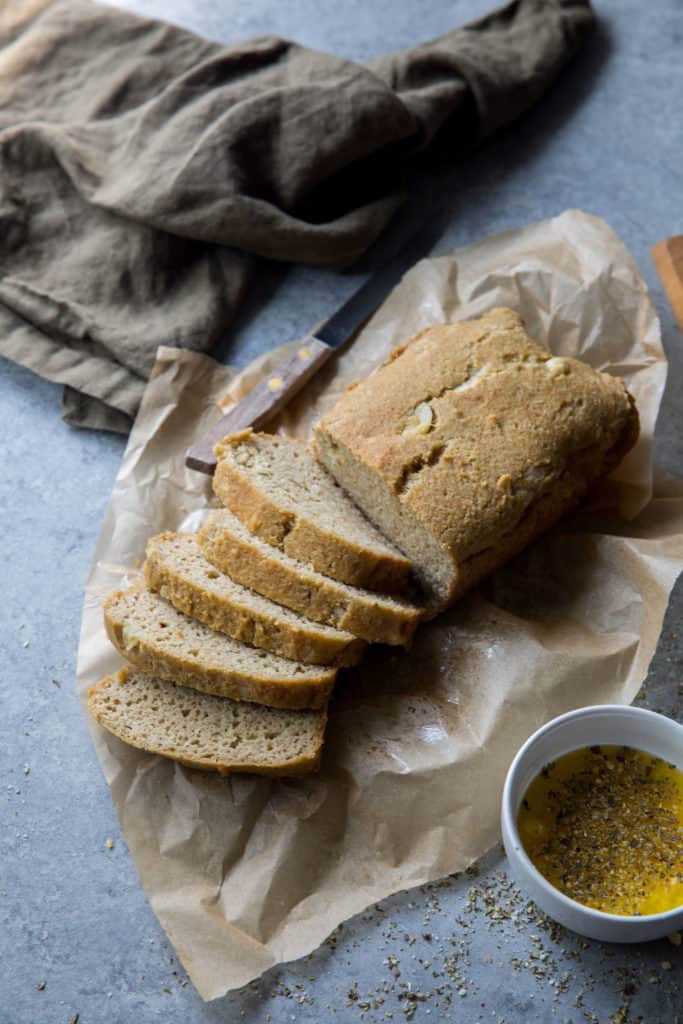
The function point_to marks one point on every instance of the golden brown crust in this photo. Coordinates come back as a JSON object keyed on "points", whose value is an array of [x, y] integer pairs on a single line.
{"points": [[472, 428], [295, 586], [289, 640], [298, 534], [262, 517], [290, 693], [302, 765], [539, 516]]}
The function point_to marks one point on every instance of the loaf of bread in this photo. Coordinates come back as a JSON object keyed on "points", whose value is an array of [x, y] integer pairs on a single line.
{"points": [[203, 731], [281, 493], [470, 441]]}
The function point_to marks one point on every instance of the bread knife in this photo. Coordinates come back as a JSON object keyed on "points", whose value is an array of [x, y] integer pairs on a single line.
{"points": [[271, 395]]}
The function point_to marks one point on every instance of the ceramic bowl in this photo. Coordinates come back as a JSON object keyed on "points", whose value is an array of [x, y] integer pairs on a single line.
{"points": [[602, 724]]}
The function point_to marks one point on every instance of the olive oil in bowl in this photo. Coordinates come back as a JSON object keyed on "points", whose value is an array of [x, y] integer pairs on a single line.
{"points": [[604, 825]]}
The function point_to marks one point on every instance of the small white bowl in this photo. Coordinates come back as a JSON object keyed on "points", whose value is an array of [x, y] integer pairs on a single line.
{"points": [[605, 725]]}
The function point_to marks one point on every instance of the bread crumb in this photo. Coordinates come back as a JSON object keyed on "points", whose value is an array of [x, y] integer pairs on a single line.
{"points": [[109, 843]]}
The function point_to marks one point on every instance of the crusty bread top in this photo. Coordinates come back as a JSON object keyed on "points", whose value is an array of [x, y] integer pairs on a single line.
{"points": [[471, 421], [203, 731]]}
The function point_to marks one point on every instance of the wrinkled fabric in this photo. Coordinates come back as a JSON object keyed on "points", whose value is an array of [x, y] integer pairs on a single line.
{"points": [[143, 170]]}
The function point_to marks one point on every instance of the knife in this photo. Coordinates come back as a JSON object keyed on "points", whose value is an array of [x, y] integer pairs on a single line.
{"points": [[271, 395]]}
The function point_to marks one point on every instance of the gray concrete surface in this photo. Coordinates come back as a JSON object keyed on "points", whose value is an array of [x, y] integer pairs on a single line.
{"points": [[77, 937]]}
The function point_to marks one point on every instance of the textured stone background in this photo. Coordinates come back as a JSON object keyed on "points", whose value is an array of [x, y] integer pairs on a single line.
{"points": [[76, 934]]}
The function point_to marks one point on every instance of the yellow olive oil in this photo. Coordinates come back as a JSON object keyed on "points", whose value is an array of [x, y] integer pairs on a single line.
{"points": [[604, 825]]}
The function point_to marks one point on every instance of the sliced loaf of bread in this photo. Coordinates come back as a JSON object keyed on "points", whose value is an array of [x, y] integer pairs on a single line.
{"points": [[207, 732], [470, 441], [154, 636], [229, 545], [177, 569], [279, 491]]}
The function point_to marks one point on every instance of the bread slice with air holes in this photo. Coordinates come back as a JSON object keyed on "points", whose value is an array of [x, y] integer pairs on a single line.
{"points": [[151, 634], [207, 732], [280, 492], [177, 569], [379, 618]]}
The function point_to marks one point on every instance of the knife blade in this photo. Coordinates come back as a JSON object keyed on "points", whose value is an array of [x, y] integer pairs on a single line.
{"points": [[272, 394]]}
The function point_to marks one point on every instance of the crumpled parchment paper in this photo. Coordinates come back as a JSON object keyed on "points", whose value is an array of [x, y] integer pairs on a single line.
{"points": [[247, 872]]}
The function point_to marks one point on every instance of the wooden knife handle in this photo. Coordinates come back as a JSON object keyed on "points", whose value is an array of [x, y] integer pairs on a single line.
{"points": [[264, 400]]}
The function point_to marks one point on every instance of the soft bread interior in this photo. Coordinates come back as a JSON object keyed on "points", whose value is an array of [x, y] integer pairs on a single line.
{"points": [[433, 564]]}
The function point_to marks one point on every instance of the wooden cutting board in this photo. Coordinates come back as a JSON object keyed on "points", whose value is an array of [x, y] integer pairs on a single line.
{"points": [[668, 261]]}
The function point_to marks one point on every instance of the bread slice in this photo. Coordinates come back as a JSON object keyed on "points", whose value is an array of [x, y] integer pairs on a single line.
{"points": [[283, 495], [470, 441], [151, 634], [178, 570], [202, 731], [253, 563]]}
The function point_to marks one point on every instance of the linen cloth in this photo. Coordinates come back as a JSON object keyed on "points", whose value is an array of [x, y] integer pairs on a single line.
{"points": [[143, 170]]}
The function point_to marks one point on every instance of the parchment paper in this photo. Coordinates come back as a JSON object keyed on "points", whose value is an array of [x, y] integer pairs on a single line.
{"points": [[244, 872]]}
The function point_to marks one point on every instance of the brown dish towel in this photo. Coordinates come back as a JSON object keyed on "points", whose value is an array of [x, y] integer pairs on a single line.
{"points": [[142, 169]]}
